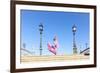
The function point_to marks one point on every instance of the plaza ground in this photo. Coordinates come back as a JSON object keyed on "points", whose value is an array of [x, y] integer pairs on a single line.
{"points": [[27, 58]]}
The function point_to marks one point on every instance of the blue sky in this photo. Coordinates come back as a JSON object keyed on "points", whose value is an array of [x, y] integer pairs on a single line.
{"points": [[55, 23]]}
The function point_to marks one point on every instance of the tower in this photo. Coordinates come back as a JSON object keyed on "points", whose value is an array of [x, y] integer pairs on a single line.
{"points": [[74, 41], [41, 32]]}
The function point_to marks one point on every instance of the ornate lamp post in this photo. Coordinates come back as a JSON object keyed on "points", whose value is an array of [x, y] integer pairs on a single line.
{"points": [[41, 30], [74, 42]]}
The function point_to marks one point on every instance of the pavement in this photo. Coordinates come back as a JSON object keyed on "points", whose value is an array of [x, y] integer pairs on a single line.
{"points": [[27, 58]]}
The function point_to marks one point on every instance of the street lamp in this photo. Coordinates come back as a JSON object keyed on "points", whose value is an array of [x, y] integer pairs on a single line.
{"points": [[74, 42], [41, 30]]}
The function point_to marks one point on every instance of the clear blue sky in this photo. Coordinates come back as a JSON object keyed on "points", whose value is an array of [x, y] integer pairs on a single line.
{"points": [[55, 23]]}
